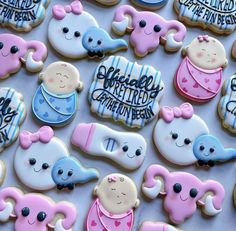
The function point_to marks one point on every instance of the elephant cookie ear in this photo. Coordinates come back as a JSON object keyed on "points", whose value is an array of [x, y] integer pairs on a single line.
{"points": [[32, 65], [171, 44]]}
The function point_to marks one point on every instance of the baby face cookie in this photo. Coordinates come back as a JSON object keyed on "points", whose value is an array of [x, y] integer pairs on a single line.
{"points": [[114, 207], [34, 211], [126, 91], [227, 104], [175, 133], [150, 4], [2, 171], [199, 76], [218, 16], [182, 193], [157, 226], [125, 148], [55, 101], [67, 28], [36, 156], [147, 30], [12, 114], [68, 171], [22, 15], [15, 51]]}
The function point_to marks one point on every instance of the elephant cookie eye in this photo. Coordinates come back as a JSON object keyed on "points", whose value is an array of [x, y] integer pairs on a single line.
{"points": [[90, 40], [193, 192], [25, 212], [41, 216], [138, 152], [142, 23], [77, 34], [157, 28], [212, 150], [177, 188], [187, 141], [174, 136], [70, 173], [125, 148], [60, 171], [202, 148], [14, 49], [65, 30], [99, 42], [1, 45], [45, 166], [32, 161]]}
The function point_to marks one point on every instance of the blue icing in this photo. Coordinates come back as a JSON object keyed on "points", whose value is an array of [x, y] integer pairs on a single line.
{"points": [[53, 109], [208, 150], [68, 171], [98, 42], [151, 3]]}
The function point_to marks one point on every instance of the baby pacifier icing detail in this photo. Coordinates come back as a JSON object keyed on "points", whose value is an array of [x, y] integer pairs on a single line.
{"points": [[182, 193], [126, 91], [34, 211], [127, 149], [15, 51], [55, 101], [148, 30], [199, 76], [116, 211]]}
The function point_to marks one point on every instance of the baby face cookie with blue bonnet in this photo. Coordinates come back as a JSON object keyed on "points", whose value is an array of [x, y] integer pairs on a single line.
{"points": [[55, 101]]}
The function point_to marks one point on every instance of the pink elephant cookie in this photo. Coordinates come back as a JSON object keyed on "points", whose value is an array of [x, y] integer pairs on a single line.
{"points": [[148, 30], [15, 51], [113, 208], [35, 212], [199, 76], [182, 192]]}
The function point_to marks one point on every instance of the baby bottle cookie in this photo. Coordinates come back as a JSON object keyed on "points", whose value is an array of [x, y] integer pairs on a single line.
{"points": [[55, 101], [157, 226], [113, 208], [34, 211], [127, 149], [182, 192], [126, 91], [148, 30], [199, 76]]}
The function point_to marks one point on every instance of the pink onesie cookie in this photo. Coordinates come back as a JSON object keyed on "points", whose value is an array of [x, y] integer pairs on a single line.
{"points": [[199, 76]]}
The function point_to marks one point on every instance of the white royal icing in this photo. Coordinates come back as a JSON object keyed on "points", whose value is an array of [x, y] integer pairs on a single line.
{"points": [[152, 192], [209, 208], [6, 213]]}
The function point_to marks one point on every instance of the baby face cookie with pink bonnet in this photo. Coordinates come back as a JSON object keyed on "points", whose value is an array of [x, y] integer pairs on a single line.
{"points": [[199, 76], [113, 209]]}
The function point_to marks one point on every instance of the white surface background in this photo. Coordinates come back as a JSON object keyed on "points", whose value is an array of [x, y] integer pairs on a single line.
{"points": [[167, 63]]}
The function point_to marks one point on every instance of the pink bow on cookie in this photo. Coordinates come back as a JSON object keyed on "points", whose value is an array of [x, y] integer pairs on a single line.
{"points": [[111, 179], [202, 38], [44, 135], [185, 111], [59, 12]]}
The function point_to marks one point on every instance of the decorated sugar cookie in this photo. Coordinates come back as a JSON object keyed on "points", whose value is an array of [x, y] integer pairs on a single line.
{"points": [[68, 171], [67, 28], [2, 171], [234, 195], [12, 113], [227, 104], [15, 51], [176, 131], [148, 30], [113, 209], [35, 212], [126, 91], [157, 226], [22, 15], [182, 192], [108, 2], [150, 4], [218, 16], [36, 156], [55, 101], [127, 149], [98, 43], [199, 76]]}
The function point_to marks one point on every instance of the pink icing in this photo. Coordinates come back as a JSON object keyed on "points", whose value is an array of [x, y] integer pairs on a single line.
{"points": [[99, 219], [181, 205], [149, 226], [10, 63], [196, 83], [145, 39], [44, 135], [36, 203], [202, 38]]}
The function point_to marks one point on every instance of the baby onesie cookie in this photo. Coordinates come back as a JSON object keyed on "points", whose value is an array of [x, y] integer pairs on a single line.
{"points": [[157, 226], [68, 171], [227, 104], [22, 15], [176, 131], [126, 91], [148, 30], [35, 212], [36, 156], [15, 51], [67, 28], [108, 2], [208, 150], [2, 171], [150, 4], [12, 113], [127, 149], [182, 192], [218, 16], [55, 101], [113, 209], [98, 43], [199, 76]]}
